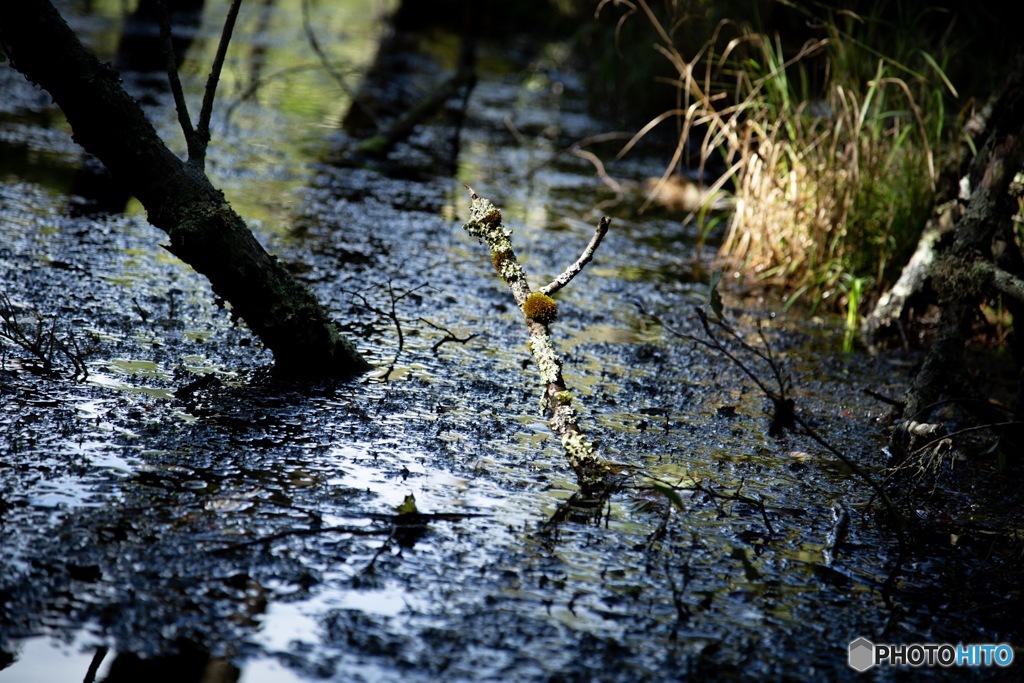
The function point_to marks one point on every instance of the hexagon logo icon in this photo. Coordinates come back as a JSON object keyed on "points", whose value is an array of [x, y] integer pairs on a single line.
{"points": [[862, 654]]}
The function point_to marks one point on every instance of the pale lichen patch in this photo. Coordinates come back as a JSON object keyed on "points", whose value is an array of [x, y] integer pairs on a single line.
{"points": [[578, 448], [547, 360]]}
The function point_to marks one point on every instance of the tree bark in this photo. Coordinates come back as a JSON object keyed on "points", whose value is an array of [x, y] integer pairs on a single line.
{"points": [[179, 198], [982, 259]]}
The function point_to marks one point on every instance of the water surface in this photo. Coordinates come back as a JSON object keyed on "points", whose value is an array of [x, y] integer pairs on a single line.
{"points": [[180, 509]]}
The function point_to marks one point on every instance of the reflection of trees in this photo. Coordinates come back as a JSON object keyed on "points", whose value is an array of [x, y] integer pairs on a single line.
{"points": [[132, 573], [141, 48], [415, 75], [144, 572], [409, 85]]}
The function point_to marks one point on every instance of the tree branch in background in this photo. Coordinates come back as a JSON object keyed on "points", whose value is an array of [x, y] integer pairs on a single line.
{"points": [[417, 113], [206, 113], [540, 310]]}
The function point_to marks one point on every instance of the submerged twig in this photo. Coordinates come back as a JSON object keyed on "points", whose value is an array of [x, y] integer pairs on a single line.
{"points": [[39, 340], [393, 524], [612, 184], [391, 314], [304, 531], [449, 336], [671, 492], [785, 417], [783, 406]]}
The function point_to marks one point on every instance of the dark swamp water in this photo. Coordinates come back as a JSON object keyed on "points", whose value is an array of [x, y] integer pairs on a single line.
{"points": [[180, 514]]}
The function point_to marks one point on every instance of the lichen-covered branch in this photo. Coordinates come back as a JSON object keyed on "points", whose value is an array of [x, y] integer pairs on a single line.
{"points": [[539, 311], [588, 254]]}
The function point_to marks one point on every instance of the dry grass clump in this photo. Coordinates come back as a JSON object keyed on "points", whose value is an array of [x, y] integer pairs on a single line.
{"points": [[827, 150]]}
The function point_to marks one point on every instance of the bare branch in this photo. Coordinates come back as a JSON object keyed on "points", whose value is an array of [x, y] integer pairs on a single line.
{"points": [[40, 340], [180, 105], [392, 315], [578, 151], [203, 127], [449, 336], [585, 258]]}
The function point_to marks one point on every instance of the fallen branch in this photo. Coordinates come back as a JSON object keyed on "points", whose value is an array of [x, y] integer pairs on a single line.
{"points": [[540, 310], [671, 492], [392, 315], [390, 526], [39, 339], [403, 127], [1004, 282], [977, 261]]}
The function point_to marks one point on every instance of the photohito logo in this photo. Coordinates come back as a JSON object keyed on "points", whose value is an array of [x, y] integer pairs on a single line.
{"points": [[864, 654]]}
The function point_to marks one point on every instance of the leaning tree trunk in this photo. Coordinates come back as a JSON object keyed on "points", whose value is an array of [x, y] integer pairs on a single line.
{"points": [[974, 260], [179, 198]]}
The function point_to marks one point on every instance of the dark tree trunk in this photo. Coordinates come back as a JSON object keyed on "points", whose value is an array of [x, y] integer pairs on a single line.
{"points": [[204, 231]]}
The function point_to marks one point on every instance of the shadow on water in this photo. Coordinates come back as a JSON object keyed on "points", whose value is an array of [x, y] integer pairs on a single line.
{"points": [[182, 514]]}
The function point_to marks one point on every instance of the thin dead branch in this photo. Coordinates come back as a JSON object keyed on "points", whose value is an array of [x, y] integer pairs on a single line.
{"points": [[197, 137], [449, 336], [785, 417], [391, 313], [40, 340], [588, 254]]}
